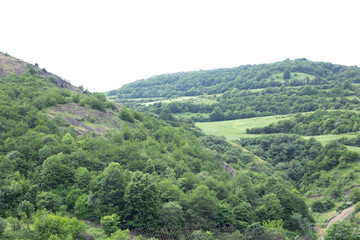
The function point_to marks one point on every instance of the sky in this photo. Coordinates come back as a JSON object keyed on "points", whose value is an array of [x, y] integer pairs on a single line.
{"points": [[103, 45]]}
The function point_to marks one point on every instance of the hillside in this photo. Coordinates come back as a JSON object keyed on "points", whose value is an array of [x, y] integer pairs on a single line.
{"points": [[297, 119], [286, 87], [72, 160], [12, 65]]}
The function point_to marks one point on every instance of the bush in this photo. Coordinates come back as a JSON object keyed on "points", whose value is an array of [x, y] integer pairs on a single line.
{"points": [[322, 205], [354, 196], [126, 115], [110, 223], [3, 224], [26, 207], [121, 235], [14, 223], [49, 225]]}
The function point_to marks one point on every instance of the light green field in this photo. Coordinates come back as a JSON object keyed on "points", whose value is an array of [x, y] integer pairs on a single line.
{"points": [[352, 148], [294, 76], [235, 129], [189, 115], [325, 139], [203, 99]]}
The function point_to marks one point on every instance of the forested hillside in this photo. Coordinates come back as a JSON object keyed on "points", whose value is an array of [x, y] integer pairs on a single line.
{"points": [[76, 166], [295, 120], [247, 91]]}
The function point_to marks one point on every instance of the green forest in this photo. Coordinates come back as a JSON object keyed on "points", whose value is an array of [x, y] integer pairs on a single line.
{"points": [[75, 165]]}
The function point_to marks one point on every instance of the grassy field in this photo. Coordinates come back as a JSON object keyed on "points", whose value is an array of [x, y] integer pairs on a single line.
{"points": [[324, 139], [235, 129], [324, 217], [189, 115], [202, 99]]}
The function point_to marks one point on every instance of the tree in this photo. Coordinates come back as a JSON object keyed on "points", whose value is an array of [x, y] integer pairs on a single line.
{"points": [[55, 174], [49, 201], [203, 201], [48, 224], [111, 187], [273, 206], [3, 224], [110, 223], [341, 231], [217, 114], [172, 215], [141, 201], [26, 207], [354, 196], [286, 74]]}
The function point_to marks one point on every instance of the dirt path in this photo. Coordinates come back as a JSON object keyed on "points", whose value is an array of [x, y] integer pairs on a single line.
{"points": [[344, 214]]}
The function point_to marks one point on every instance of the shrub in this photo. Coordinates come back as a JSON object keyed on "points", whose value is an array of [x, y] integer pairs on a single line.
{"points": [[322, 205], [126, 115], [49, 225], [14, 223], [110, 223], [26, 207], [3, 224]]}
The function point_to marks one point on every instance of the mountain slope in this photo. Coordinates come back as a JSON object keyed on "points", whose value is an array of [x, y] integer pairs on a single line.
{"points": [[247, 91], [11, 65], [66, 153]]}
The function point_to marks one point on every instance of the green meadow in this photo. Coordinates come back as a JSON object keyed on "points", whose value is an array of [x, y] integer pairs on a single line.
{"points": [[235, 129]]}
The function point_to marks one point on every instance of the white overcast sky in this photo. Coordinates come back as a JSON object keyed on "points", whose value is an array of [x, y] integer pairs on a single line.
{"points": [[105, 44]]}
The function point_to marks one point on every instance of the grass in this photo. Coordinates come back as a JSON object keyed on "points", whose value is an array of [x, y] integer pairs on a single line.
{"points": [[235, 129], [323, 217], [202, 99], [325, 139], [189, 115], [294, 76], [355, 149]]}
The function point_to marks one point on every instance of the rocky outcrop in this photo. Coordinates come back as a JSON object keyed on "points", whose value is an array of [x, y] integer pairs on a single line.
{"points": [[11, 65], [228, 168]]}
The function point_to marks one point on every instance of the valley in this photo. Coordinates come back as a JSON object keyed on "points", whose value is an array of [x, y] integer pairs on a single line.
{"points": [[253, 152]]}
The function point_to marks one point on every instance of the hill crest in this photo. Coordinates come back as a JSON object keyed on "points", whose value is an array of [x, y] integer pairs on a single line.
{"points": [[12, 65]]}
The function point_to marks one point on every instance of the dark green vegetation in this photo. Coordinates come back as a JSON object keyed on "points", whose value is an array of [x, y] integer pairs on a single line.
{"points": [[127, 172], [249, 91], [317, 99], [318, 123]]}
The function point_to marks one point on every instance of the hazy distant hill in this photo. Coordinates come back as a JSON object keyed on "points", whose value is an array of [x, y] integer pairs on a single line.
{"points": [[247, 91], [242, 78]]}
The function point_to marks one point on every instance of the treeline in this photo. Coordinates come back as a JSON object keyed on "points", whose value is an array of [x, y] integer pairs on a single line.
{"points": [[305, 163], [147, 173], [318, 123], [242, 78]]}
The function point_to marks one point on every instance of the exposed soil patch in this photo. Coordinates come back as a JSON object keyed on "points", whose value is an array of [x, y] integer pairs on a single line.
{"points": [[86, 119], [9, 64]]}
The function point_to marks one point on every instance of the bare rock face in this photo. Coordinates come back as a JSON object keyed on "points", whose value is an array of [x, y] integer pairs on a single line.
{"points": [[11, 65], [228, 168]]}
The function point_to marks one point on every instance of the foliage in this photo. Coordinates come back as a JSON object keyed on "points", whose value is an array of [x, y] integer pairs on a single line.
{"points": [[3, 224], [341, 231], [246, 91], [48, 224], [317, 123], [121, 235], [146, 171], [322, 205], [110, 223]]}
